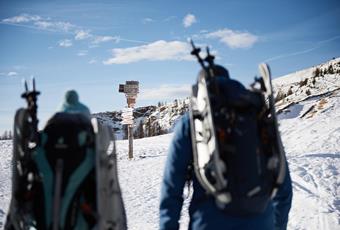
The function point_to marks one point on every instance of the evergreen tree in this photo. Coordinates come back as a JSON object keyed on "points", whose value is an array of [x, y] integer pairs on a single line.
{"points": [[317, 72], [140, 130], [7, 135], [330, 69], [176, 103], [148, 128]]}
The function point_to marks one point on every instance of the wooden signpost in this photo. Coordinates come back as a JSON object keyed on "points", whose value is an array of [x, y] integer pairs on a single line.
{"points": [[130, 89]]}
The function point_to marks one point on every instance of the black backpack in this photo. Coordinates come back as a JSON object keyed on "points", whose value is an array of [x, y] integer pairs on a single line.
{"points": [[237, 157]]}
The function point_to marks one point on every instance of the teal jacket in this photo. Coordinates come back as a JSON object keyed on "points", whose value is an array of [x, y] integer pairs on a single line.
{"points": [[72, 104]]}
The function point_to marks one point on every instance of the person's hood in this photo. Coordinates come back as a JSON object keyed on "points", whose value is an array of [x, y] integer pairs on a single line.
{"points": [[71, 97]]}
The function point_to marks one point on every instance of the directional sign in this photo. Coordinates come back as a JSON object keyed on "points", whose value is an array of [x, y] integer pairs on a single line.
{"points": [[127, 115], [127, 122], [128, 110], [127, 118], [130, 89]]}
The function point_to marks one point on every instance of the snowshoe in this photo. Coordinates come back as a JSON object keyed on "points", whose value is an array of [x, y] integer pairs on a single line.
{"points": [[235, 140], [64, 176]]}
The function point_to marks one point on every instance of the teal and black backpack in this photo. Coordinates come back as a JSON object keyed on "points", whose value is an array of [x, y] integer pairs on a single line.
{"points": [[65, 176]]}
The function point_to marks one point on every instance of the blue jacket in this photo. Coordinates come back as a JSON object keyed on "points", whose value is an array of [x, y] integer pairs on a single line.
{"points": [[203, 212]]}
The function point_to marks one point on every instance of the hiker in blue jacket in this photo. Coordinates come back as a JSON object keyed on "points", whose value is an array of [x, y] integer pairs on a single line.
{"points": [[203, 212]]}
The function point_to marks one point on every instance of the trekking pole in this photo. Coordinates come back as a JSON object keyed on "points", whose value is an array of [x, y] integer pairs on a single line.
{"points": [[31, 98], [210, 59], [196, 52]]}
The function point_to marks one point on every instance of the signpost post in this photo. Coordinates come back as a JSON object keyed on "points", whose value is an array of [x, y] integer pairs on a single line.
{"points": [[130, 89]]}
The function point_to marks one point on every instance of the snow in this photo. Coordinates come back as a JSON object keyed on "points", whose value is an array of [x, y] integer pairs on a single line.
{"points": [[298, 76], [304, 84], [5, 182], [312, 144], [310, 128], [140, 179]]}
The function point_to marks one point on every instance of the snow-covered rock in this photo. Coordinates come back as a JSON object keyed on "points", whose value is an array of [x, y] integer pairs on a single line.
{"points": [[148, 120]]}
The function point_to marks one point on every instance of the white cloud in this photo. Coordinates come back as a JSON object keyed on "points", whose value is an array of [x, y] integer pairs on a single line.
{"points": [[82, 34], [156, 51], [12, 74], [9, 74], [148, 20], [48, 24], [188, 20], [64, 26], [234, 39], [54, 26], [44, 24], [37, 22], [93, 61], [65, 43], [165, 92], [101, 39], [23, 18]]}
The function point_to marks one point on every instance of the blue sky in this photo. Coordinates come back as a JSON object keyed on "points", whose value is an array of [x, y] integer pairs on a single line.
{"points": [[93, 46]]}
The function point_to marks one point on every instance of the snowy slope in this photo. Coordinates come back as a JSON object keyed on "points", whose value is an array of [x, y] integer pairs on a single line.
{"points": [[312, 142], [307, 83], [5, 182]]}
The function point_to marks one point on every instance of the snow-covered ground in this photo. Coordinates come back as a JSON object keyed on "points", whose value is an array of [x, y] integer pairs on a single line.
{"points": [[310, 127], [5, 181], [312, 146], [312, 143]]}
